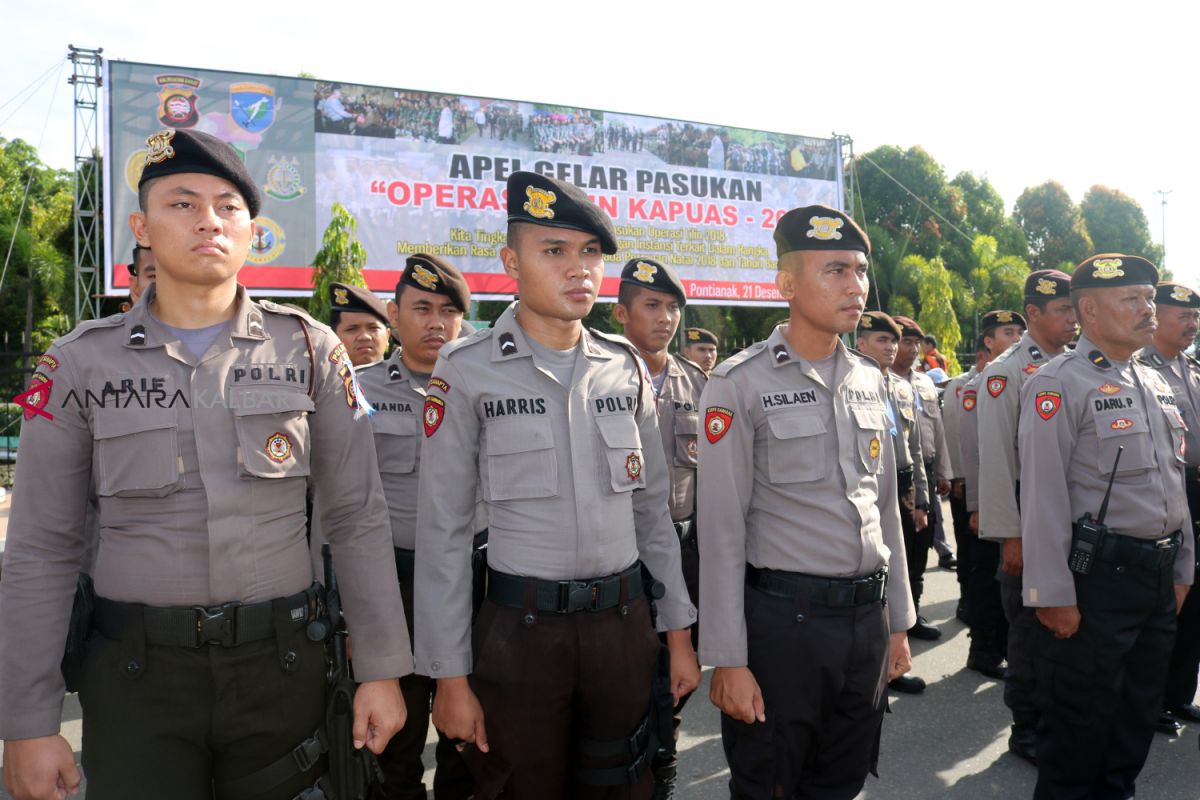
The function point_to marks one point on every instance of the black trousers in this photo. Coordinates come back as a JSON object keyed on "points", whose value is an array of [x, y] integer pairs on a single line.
{"points": [[917, 543], [164, 722], [547, 680], [1100, 690], [1185, 656], [964, 540], [403, 770], [981, 593], [823, 675], [1020, 681]]}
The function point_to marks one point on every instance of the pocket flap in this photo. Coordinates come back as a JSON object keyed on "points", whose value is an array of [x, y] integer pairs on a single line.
{"points": [[109, 423], [519, 436], [871, 419], [687, 423], [394, 424], [619, 432], [794, 426], [1119, 423], [261, 400]]}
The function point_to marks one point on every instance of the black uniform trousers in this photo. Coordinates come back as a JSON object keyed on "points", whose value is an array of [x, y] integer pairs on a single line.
{"points": [[403, 770], [1100, 690], [964, 540], [1020, 679], [917, 543], [167, 721], [1185, 657], [546, 680], [981, 595], [823, 675]]}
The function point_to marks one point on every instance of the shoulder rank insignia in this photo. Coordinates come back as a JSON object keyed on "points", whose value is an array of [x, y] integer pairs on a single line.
{"points": [[1097, 358], [508, 344], [137, 335], [1035, 352], [781, 354]]}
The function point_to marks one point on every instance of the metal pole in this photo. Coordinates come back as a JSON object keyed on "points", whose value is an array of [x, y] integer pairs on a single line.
{"points": [[1162, 193], [86, 79]]}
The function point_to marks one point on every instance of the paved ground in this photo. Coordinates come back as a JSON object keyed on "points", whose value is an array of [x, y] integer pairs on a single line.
{"points": [[947, 743]]}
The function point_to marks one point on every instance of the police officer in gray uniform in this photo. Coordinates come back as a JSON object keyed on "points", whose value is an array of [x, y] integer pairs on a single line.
{"points": [[1178, 313], [801, 535], [1051, 319], [557, 426], [198, 418], [1106, 590], [650, 303]]}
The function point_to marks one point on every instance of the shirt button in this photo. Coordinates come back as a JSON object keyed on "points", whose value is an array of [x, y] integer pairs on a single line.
{"points": [[692, 613], [1120, 569], [799, 618], [133, 668], [435, 666]]}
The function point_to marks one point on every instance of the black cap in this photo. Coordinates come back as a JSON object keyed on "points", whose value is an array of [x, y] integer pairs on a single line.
{"points": [[541, 200], [818, 228], [650, 274], [132, 266], [1047, 284], [994, 319], [355, 299], [908, 326], [173, 152], [431, 274], [1176, 294], [1114, 269], [700, 336], [878, 322]]}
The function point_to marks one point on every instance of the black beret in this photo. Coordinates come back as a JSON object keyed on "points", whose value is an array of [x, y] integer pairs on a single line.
{"points": [[1114, 269], [355, 299], [818, 228], [994, 319], [700, 336], [908, 326], [650, 274], [542, 200], [878, 322], [1047, 284], [431, 274], [1176, 294], [178, 151], [132, 266]]}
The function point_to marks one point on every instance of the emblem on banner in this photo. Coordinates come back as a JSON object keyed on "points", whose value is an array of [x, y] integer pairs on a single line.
{"points": [[177, 100], [252, 106], [283, 178], [539, 202], [825, 228], [160, 148], [133, 168], [1107, 268], [279, 447], [424, 277], [645, 272], [266, 241]]}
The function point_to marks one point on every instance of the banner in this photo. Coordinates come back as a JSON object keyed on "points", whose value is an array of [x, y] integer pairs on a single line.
{"points": [[425, 172]]}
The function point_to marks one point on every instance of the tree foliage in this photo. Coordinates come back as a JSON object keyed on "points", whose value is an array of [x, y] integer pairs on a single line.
{"points": [[1117, 223], [340, 260], [1054, 227]]}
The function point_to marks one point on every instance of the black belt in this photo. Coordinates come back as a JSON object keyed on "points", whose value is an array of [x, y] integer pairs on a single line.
{"points": [[566, 597], [829, 592], [227, 625], [1151, 553], [685, 529], [1192, 473]]}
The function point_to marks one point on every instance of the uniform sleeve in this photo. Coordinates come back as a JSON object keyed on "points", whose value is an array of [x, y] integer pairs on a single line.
{"points": [[725, 481], [970, 457], [902, 612], [942, 467], [658, 546], [354, 518], [951, 417], [916, 452], [1185, 560], [998, 514], [47, 539], [1045, 446], [446, 513]]}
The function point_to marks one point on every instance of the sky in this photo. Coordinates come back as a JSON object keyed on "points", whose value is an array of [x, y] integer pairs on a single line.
{"points": [[1022, 92]]}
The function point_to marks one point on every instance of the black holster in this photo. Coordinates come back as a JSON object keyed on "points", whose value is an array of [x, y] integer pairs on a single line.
{"points": [[78, 630], [351, 772]]}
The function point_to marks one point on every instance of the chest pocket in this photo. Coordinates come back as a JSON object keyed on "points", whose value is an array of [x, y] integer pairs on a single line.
{"points": [[623, 448], [521, 459], [272, 429], [1178, 435], [396, 442], [1126, 428], [687, 428], [137, 451], [795, 449], [929, 404], [869, 430]]}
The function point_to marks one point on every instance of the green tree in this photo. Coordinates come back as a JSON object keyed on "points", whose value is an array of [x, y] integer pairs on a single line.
{"points": [[340, 260], [1053, 226], [888, 179], [986, 214], [1117, 223], [937, 314]]}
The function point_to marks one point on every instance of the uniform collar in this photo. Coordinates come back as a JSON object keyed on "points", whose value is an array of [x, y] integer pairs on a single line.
{"points": [[509, 340], [1091, 353], [673, 368], [781, 354], [144, 331], [1155, 357]]}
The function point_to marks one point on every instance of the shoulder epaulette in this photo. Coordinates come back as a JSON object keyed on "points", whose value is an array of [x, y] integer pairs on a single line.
{"points": [[112, 321], [689, 363], [449, 348], [739, 358]]}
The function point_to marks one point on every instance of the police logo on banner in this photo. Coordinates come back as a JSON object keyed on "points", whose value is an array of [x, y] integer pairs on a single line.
{"points": [[283, 178], [252, 106], [177, 100]]}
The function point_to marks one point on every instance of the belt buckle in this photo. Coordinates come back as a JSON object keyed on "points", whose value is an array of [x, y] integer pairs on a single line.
{"points": [[839, 593], [216, 625], [576, 596]]}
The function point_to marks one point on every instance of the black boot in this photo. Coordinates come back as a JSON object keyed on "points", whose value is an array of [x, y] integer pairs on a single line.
{"points": [[1022, 742], [664, 767]]}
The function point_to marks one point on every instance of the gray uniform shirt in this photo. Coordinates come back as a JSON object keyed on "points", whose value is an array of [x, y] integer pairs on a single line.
{"points": [[679, 423], [200, 469], [907, 434], [1075, 412], [999, 462], [1183, 376], [570, 487], [969, 440], [929, 418], [952, 414], [794, 475]]}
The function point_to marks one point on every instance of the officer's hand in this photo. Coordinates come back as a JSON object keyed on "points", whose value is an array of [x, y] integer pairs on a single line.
{"points": [[899, 656], [943, 487], [735, 691], [1181, 593], [1063, 621], [378, 714], [973, 521], [457, 713], [956, 488], [1014, 559], [40, 769], [920, 519], [685, 669]]}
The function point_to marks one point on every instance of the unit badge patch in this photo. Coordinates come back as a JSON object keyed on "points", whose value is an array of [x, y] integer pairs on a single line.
{"points": [[432, 416], [996, 385], [279, 447], [1047, 404], [716, 423], [633, 466]]}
